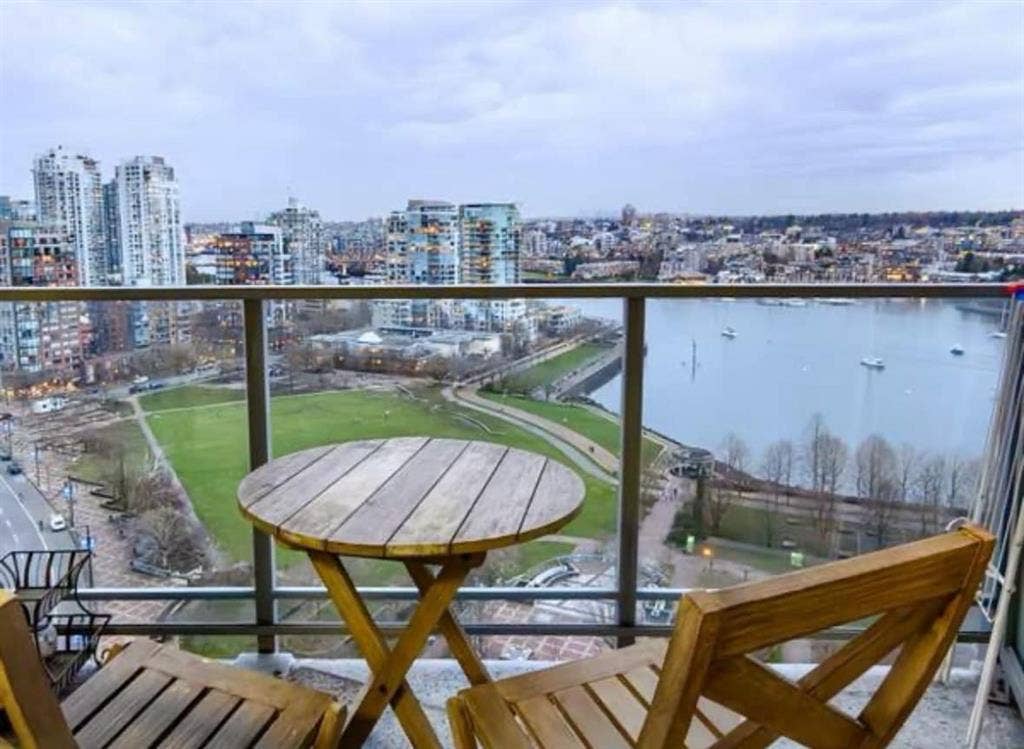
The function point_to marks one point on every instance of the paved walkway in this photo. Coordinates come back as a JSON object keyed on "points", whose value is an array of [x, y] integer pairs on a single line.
{"points": [[573, 445]]}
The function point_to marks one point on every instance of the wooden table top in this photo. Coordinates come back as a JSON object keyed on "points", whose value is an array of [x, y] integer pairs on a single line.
{"points": [[410, 497]]}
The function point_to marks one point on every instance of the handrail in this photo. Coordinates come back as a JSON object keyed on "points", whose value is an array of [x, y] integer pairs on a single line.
{"points": [[520, 291], [265, 623]]}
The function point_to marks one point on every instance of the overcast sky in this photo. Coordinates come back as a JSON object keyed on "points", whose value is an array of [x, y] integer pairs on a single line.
{"points": [[568, 109]]}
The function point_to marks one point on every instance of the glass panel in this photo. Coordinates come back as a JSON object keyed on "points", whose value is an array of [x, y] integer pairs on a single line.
{"points": [[124, 432], [349, 371], [799, 431]]}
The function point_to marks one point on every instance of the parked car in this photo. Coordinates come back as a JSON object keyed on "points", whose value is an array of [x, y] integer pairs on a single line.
{"points": [[57, 522], [13, 468]]}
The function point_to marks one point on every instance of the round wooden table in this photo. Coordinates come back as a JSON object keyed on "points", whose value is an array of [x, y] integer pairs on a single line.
{"points": [[417, 500]]}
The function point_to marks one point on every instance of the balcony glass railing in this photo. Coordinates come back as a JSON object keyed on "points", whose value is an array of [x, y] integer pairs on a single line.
{"points": [[782, 426]]}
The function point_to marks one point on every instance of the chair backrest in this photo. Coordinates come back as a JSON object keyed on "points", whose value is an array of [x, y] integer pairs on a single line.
{"points": [[25, 694], [919, 592]]}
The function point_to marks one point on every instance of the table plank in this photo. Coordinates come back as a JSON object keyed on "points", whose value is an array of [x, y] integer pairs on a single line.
{"points": [[298, 490], [309, 526], [271, 475], [556, 501], [370, 526], [498, 514], [429, 529], [410, 497]]}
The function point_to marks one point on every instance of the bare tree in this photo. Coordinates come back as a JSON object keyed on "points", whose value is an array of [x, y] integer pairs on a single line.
{"points": [[735, 454], [877, 485], [833, 456], [929, 483], [876, 466], [879, 511], [907, 458], [777, 470], [720, 500], [812, 450], [177, 541], [962, 479]]}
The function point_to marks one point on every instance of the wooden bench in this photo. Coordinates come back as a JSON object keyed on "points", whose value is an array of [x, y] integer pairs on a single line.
{"points": [[153, 694], [703, 688]]}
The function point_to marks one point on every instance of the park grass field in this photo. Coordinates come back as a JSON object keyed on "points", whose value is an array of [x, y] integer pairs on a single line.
{"points": [[592, 425], [208, 449], [552, 369], [189, 396]]}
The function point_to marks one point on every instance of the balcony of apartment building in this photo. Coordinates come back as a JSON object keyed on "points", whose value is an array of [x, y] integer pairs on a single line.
{"points": [[717, 436]]}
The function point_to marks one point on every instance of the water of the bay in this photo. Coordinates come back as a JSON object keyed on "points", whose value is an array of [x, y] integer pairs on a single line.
{"points": [[787, 363]]}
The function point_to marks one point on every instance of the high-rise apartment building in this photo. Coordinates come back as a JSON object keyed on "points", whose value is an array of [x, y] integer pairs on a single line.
{"points": [[422, 248], [149, 237], [69, 194], [490, 235], [43, 336], [302, 234], [254, 254]]}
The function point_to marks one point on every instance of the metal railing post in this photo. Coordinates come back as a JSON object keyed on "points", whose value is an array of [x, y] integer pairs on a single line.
{"points": [[257, 398], [629, 461]]}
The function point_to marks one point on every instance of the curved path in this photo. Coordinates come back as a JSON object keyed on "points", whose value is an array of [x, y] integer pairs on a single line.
{"points": [[572, 444]]}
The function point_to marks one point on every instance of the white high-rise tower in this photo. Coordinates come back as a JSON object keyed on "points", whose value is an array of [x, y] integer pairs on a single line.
{"points": [[149, 234], [69, 194], [302, 231]]}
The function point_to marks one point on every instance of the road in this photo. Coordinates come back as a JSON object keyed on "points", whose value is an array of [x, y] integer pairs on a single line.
{"points": [[21, 507]]}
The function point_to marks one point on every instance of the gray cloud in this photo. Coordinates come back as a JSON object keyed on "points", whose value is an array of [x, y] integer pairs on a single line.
{"points": [[568, 108]]}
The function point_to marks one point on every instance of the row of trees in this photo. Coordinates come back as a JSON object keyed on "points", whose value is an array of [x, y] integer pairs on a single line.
{"points": [[163, 531], [883, 476]]}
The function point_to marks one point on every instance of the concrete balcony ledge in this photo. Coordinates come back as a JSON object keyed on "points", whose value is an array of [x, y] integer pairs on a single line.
{"points": [[940, 719]]}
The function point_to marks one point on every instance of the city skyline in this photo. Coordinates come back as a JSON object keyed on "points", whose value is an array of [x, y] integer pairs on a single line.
{"points": [[577, 109]]}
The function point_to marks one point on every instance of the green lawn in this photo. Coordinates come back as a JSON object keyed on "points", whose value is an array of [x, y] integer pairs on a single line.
{"points": [[585, 421], [535, 552], [207, 447], [552, 369], [188, 396]]}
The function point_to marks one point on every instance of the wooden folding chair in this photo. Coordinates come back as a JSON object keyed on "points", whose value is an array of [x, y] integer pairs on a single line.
{"points": [[152, 693], [704, 689]]}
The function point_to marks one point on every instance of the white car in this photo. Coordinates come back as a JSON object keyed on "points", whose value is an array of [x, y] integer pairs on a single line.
{"points": [[57, 522]]}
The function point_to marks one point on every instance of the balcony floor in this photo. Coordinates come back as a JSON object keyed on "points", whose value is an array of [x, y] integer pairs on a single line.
{"points": [[939, 720]]}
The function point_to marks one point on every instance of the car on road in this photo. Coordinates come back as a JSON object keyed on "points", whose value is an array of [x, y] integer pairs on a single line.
{"points": [[58, 523], [13, 468]]}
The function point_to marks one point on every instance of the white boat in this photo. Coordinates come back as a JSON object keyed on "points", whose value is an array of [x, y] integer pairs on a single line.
{"points": [[795, 302], [997, 334], [729, 332], [872, 362], [836, 301], [957, 350]]}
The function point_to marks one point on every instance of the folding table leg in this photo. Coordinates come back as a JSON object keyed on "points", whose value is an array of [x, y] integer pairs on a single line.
{"points": [[374, 647], [432, 606], [471, 664]]}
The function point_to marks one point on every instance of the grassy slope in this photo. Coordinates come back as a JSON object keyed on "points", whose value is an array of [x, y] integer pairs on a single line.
{"points": [[600, 429], [127, 433], [187, 397], [208, 449], [554, 368]]}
